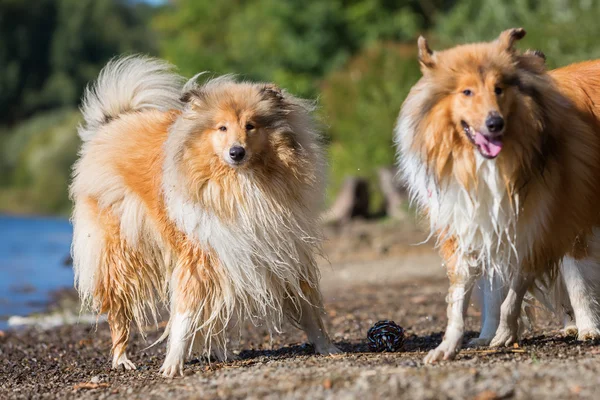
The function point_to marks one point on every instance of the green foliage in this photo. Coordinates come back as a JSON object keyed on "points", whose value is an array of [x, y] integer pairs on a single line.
{"points": [[360, 104], [356, 56], [49, 49], [565, 30], [37, 158], [293, 43]]}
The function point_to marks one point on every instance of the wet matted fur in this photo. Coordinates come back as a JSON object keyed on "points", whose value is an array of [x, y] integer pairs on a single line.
{"points": [[167, 212]]}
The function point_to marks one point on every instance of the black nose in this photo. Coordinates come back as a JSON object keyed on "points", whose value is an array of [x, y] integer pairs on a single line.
{"points": [[494, 123], [237, 153]]}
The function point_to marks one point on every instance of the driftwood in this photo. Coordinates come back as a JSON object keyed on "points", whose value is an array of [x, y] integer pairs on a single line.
{"points": [[394, 193], [353, 199], [351, 202]]}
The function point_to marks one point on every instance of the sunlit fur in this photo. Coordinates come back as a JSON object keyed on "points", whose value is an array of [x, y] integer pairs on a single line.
{"points": [[162, 215], [537, 201]]}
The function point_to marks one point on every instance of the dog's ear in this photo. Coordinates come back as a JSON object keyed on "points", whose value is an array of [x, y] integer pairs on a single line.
{"points": [[536, 53], [186, 97], [509, 37], [426, 56], [533, 60], [272, 91], [195, 95]]}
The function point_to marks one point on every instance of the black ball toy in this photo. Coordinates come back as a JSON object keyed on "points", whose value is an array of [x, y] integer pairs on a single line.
{"points": [[385, 336]]}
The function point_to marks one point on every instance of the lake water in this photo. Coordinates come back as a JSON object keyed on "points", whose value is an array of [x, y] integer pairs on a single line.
{"points": [[32, 263]]}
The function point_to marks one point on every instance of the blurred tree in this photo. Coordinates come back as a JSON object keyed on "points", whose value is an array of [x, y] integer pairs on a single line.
{"points": [[292, 42], [565, 30], [345, 51], [25, 38], [38, 155], [49, 49], [360, 104]]}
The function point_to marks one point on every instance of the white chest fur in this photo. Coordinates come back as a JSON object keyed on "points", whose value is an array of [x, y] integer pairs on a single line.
{"points": [[483, 219]]}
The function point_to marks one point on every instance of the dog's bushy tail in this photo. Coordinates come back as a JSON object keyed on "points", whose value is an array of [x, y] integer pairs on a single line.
{"points": [[129, 84]]}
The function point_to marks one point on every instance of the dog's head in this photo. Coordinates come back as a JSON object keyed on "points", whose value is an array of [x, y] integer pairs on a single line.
{"points": [[231, 132], [233, 122], [477, 86]]}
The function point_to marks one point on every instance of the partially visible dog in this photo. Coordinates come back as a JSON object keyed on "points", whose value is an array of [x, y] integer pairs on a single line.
{"points": [[504, 159], [202, 197]]}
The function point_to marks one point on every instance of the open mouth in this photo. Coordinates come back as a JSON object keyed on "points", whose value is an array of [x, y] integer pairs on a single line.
{"points": [[489, 147]]}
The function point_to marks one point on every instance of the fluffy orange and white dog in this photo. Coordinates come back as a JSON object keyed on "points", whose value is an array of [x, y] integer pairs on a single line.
{"points": [[201, 197], [504, 159]]}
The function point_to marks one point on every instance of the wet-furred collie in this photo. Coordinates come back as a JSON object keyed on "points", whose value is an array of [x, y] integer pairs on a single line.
{"points": [[201, 197], [503, 157]]}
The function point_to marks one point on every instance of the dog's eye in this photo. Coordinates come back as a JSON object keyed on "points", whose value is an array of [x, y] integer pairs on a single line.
{"points": [[223, 128], [467, 92], [498, 90], [249, 127]]}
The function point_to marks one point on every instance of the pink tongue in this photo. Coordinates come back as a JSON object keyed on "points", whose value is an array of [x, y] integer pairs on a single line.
{"points": [[489, 146]]}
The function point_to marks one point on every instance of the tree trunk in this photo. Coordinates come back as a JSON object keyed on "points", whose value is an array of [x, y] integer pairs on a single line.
{"points": [[351, 202], [394, 193]]}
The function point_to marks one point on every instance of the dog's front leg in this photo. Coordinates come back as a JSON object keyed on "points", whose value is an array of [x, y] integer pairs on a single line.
{"points": [[307, 314], [462, 281], [180, 331], [508, 329], [187, 293]]}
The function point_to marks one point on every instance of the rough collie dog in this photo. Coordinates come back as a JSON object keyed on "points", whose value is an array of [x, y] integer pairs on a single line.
{"points": [[201, 197], [504, 159]]}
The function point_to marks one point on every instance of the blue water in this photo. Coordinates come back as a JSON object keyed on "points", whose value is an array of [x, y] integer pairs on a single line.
{"points": [[32, 263]]}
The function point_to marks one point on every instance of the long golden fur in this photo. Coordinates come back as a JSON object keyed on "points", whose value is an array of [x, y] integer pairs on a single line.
{"points": [[166, 212], [510, 202]]}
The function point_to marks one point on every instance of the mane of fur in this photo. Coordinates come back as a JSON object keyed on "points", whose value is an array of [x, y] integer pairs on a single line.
{"points": [[245, 241], [260, 224], [519, 210]]}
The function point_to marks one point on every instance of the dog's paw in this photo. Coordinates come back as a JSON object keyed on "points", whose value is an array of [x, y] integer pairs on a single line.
{"points": [[479, 342], [505, 336], [445, 351], [172, 369], [570, 331], [327, 349], [122, 361], [588, 334]]}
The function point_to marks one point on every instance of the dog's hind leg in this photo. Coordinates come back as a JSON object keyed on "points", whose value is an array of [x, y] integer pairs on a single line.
{"points": [[494, 291], [307, 315], [582, 281], [120, 323], [560, 302], [510, 310], [101, 273], [119, 290], [116, 302], [113, 289]]}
